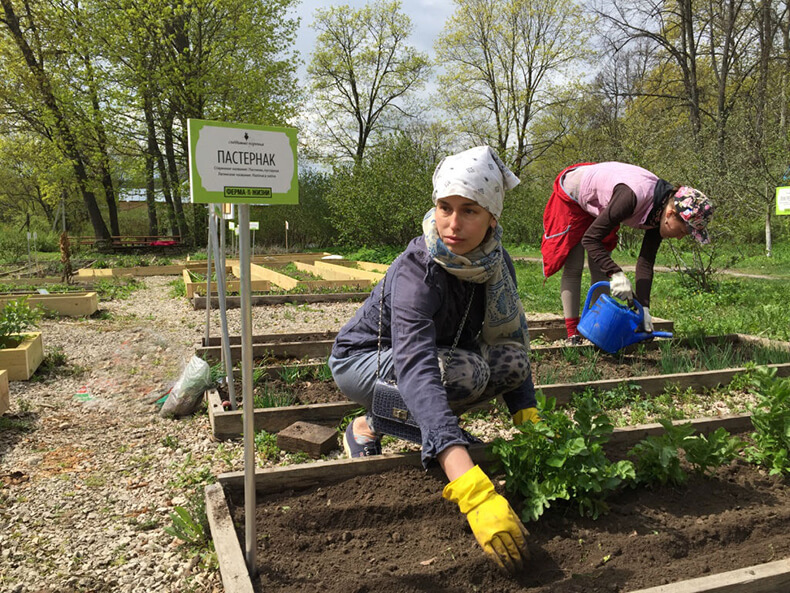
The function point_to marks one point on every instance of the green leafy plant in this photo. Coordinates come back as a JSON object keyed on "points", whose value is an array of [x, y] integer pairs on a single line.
{"points": [[268, 397], [266, 445], [117, 288], [706, 453], [16, 318], [291, 374], [323, 373], [559, 458], [190, 524], [771, 420], [177, 288], [658, 458]]}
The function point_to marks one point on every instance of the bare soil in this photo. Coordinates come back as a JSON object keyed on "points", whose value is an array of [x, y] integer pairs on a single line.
{"points": [[393, 532]]}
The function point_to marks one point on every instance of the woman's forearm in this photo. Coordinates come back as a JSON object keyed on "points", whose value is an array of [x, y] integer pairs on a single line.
{"points": [[455, 461]]}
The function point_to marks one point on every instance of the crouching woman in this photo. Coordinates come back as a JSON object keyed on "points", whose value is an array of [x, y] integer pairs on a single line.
{"points": [[447, 326]]}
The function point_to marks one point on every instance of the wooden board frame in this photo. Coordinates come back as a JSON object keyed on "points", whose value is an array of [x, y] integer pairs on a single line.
{"points": [[21, 362], [5, 393], [227, 424], [169, 270], [193, 288], [771, 577], [65, 304]]}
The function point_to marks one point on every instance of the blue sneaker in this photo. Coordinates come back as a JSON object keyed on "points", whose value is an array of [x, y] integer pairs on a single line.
{"points": [[355, 446]]}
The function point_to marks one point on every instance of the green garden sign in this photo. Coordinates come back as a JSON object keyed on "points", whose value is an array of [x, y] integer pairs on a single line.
{"points": [[783, 200], [233, 163]]}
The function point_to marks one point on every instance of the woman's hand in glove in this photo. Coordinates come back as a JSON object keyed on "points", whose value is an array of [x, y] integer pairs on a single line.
{"points": [[526, 415], [648, 322], [496, 527], [620, 287]]}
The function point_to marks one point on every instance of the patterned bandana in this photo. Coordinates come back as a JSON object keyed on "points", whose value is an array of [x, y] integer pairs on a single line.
{"points": [[477, 174], [505, 322], [696, 209]]}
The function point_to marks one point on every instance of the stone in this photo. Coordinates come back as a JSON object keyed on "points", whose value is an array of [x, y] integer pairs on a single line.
{"points": [[313, 439]]}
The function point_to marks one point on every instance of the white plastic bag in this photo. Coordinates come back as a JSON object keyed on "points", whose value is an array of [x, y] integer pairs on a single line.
{"points": [[186, 393]]}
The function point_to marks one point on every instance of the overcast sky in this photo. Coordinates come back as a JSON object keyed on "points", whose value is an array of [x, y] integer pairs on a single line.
{"points": [[427, 19]]}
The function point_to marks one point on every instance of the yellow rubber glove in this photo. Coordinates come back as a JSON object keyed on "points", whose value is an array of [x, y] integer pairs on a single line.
{"points": [[526, 415], [496, 527]]}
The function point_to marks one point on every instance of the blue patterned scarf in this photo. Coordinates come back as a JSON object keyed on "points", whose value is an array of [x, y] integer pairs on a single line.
{"points": [[505, 322]]}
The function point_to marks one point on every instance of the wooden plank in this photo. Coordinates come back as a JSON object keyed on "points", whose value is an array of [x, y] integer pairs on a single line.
{"points": [[45, 280], [169, 270], [192, 289], [655, 384], [234, 302], [5, 395], [285, 258], [764, 342], [228, 424], [344, 278], [68, 304], [277, 479], [232, 565], [258, 272], [771, 577], [21, 362], [373, 267], [365, 274], [274, 338], [298, 350]]}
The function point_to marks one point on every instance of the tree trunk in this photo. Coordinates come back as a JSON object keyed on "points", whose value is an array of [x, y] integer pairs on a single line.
{"points": [[769, 244], [101, 147], [150, 191], [156, 156], [65, 137], [172, 170]]}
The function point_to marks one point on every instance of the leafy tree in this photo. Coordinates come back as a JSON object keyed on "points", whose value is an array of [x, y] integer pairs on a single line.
{"points": [[360, 71], [29, 52], [382, 200], [499, 57]]}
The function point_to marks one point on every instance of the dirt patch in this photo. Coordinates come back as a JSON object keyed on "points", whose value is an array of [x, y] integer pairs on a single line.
{"points": [[393, 532], [587, 363]]}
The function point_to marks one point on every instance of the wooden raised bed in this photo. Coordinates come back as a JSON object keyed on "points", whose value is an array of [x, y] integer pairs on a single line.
{"points": [[285, 282], [170, 270], [320, 344], [67, 304], [5, 395], [771, 577], [21, 362], [193, 288], [227, 424], [234, 302]]}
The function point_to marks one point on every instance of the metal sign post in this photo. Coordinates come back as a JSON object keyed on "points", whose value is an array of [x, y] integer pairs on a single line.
{"points": [[245, 291], [211, 229], [242, 164]]}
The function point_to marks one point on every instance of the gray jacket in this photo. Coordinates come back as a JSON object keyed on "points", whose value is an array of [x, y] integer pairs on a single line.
{"points": [[423, 308]]}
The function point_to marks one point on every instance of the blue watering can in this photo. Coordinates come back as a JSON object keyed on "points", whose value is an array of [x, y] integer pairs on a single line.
{"points": [[611, 325]]}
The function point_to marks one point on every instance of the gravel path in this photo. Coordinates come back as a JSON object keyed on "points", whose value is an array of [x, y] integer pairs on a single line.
{"points": [[89, 472]]}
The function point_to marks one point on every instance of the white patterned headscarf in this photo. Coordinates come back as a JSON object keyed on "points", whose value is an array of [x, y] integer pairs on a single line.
{"points": [[477, 174]]}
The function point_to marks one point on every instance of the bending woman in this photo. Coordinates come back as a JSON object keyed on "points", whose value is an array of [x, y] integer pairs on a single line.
{"points": [[585, 210], [446, 324]]}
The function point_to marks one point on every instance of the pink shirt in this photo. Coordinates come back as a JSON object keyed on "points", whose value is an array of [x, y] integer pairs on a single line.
{"points": [[597, 185]]}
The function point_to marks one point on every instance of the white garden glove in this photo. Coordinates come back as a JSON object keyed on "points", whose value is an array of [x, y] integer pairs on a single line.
{"points": [[620, 287], [648, 323]]}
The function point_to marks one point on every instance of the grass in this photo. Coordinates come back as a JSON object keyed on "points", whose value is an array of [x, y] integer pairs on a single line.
{"points": [[736, 305], [268, 397]]}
